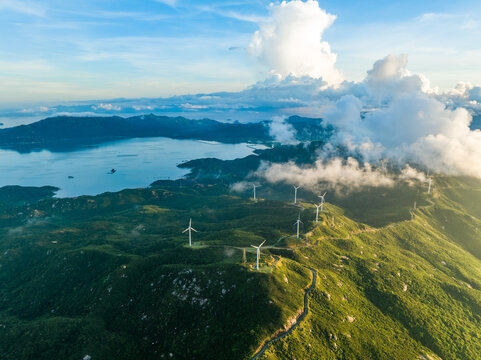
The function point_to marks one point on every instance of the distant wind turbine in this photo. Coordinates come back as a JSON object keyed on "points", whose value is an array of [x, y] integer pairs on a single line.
{"points": [[258, 252], [322, 200], [295, 193], [298, 222], [254, 186], [190, 229], [317, 212]]}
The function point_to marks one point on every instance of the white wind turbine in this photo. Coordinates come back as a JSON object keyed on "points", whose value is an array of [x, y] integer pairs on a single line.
{"points": [[295, 193], [254, 187], [322, 200], [190, 229], [258, 252], [317, 212], [298, 222]]}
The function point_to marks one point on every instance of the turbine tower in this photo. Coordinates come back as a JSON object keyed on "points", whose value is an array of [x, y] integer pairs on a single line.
{"points": [[295, 193], [317, 213], [258, 252], [254, 186], [190, 229], [430, 181], [298, 222], [322, 200]]}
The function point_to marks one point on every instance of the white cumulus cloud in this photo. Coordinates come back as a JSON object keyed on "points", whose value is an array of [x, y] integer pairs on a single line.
{"points": [[389, 78], [412, 125], [290, 41]]}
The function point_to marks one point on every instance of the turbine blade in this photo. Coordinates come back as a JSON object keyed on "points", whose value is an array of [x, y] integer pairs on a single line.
{"points": [[255, 247], [262, 243], [193, 229], [185, 230]]}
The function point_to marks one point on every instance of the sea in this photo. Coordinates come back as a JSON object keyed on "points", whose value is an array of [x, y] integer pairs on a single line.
{"points": [[111, 167]]}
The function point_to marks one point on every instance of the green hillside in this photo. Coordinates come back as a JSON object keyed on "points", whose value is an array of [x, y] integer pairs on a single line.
{"points": [[407, 290], [112, 276]]}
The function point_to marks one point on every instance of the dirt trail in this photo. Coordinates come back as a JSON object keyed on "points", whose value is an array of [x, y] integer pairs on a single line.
{"points": [[301, 318]]}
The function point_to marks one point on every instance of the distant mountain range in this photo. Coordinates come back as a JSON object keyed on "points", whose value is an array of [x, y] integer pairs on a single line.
{"points": [[65, 133]]}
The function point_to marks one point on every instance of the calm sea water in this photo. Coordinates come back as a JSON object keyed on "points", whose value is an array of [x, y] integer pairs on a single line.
{"points": [[138, 162]]}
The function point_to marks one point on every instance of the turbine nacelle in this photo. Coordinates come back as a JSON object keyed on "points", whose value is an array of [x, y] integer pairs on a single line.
{"points": [[295, 193], [190, 229], [298, 222], [322, 200], [258, 248]]}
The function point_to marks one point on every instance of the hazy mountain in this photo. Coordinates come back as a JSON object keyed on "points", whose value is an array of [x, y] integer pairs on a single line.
{"points": [[65, 133]]}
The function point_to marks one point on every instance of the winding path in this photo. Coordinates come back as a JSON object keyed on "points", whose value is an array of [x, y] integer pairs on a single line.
{"points": [[298, 320]]}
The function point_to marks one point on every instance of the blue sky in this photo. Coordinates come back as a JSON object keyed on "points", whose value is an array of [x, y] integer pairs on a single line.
{"points": [[53, 50]]}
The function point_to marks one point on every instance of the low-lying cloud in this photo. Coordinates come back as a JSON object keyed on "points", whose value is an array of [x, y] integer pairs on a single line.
{"points": [[335, 172], [282, 132]]}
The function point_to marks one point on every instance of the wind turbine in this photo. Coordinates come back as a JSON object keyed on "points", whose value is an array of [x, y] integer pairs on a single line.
{"points": [[190, 229], [254, 186], [322, 200], [298, 222], [430, 181], [317, 212], [258, 252], [295, 193]]}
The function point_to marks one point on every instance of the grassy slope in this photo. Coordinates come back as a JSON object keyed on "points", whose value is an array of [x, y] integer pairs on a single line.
{"points": [[110, 276], [412, 288]]}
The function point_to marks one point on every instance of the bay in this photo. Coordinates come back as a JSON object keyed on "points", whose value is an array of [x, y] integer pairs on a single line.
{"points": [[137, 163]]}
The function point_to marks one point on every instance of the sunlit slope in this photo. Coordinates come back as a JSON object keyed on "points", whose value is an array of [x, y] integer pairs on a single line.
{"points": [[407, 290], [111, 276]]}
